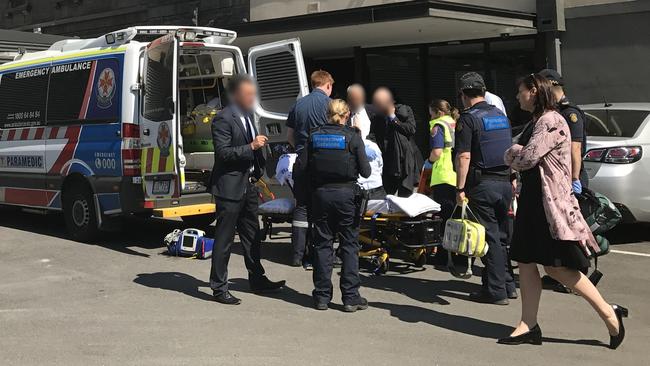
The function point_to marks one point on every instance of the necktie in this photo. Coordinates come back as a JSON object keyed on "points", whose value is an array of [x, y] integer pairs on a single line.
{"points": [[249, 129]]}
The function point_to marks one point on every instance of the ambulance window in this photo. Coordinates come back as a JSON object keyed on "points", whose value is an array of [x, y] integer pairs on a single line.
{"points": [[158, 84], [22, 98], [68, 84]]}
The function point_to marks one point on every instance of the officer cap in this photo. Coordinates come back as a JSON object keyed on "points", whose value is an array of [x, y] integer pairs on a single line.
{"points": [[553, 76], [472, 80]]}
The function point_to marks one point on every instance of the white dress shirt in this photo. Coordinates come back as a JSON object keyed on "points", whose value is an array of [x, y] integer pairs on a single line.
{"points": [[496, 101], [360, 119], [376, 167]]}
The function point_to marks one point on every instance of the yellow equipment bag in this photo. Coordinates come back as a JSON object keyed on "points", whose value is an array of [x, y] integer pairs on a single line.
{"points": [[464, 237]]}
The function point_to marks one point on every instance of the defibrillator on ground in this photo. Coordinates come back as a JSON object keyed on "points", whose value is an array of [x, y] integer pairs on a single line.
{"points": [[189, 243], [464, 237]]}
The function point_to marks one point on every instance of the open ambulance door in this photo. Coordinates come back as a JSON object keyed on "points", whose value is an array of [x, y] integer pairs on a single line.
{"points": [[159, 121], [281, 77]]}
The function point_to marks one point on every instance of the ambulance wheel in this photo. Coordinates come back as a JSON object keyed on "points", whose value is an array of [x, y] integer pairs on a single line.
{"points": [[79, 212], [201, 222]]}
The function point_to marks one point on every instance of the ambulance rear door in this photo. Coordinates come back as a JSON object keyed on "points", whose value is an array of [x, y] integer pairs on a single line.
{"points": [[159, 121], [281, 77]]}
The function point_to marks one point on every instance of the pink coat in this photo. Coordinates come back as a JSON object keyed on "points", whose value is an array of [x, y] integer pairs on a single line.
{"points": [[549, 148]]}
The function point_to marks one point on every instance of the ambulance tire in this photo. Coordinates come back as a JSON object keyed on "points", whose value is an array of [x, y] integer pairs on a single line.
{"points": [[80, 212], [201, 222]]}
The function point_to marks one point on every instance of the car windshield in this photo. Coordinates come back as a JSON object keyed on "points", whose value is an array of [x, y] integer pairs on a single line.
{"points": [[612, 122]]}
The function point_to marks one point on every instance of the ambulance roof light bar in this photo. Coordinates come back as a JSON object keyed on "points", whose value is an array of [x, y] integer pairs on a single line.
{"points": [[190, 33]]}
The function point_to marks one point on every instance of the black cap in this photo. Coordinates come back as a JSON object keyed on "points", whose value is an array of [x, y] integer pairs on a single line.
{"points": [[553, 76], [472, 80]]}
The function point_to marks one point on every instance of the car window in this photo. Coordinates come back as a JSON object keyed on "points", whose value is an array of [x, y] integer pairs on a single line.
{"points": [[618, 123]]}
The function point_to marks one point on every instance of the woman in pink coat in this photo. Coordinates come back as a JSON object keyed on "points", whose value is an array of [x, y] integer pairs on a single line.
{"points": [[549, 228]]}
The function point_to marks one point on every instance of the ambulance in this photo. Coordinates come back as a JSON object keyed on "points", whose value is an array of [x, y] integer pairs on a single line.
{"points": [[120, 124]]}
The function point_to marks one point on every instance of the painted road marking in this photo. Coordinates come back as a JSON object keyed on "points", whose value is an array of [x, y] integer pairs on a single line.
{"points": [[630, 253]]}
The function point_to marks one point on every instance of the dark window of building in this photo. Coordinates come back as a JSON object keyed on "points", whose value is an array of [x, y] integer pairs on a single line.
{"points": [[22, 98], [67, 92], [158, 85]]}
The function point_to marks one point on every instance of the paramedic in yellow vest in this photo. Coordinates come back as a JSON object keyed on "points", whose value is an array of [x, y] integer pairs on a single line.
{"points": [[443, 176]]}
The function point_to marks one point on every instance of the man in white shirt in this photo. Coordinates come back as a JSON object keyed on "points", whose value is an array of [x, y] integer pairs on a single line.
{"points": [[496, 101], [373, 184], [359, 117]]}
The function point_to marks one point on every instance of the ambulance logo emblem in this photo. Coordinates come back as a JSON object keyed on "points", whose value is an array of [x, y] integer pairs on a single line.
{"points": [[105, 88], [164, 139]]}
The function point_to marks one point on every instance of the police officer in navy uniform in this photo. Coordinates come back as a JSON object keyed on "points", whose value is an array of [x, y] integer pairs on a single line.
{"points": [[577, 121], [333, 160], [482, 136]]}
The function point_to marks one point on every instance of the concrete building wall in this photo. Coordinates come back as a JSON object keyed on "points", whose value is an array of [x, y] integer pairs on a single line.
{"points": [[272, 9], [605, 53]]}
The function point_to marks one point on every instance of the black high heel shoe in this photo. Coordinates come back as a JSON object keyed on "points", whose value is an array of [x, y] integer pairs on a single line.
{"points": [[533, 336], [621, 312]]}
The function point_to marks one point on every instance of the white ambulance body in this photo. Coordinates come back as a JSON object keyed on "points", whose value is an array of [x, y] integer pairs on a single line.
{"points": [[120, 124]]}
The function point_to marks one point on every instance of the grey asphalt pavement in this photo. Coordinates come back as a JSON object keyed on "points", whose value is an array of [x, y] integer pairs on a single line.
{"points": [[122, 301]]}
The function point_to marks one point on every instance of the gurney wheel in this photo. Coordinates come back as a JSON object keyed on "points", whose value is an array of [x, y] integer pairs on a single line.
{"points": [[421, 259], [381, 266]]}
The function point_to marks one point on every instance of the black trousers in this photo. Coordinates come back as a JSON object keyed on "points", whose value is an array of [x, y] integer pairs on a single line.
{"points": [[333, 211], [240, 216], [393, 185], [490, 200]]}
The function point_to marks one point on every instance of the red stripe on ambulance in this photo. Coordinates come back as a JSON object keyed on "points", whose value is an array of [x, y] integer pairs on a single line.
{"points": [[72, 135]]}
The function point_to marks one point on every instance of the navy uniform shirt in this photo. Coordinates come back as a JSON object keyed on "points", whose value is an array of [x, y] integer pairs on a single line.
{"points": [[468, 135], [576, 120], [308, 113]]}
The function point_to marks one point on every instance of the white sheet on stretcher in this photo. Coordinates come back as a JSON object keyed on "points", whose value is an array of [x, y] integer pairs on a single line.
{"points": [[412, 206]]}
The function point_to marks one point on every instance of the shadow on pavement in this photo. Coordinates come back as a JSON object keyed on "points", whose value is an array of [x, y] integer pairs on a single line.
{"points": [[456, 323], [135, 232], [629, 233], [585, 342], [174, 281], [422, 290]]}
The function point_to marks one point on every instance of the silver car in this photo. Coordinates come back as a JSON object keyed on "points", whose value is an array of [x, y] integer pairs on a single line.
{"points": [[618, 135]]}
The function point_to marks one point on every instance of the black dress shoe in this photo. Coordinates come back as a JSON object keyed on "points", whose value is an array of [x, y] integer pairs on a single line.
{"points": [[513, 295], [296, 263], [321, 306], [226, 298], [263, 284], [533, 336], [615, 341], [484, 298], [358, 304]]}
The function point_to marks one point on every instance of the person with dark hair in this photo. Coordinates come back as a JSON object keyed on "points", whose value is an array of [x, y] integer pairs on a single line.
{"points": [[577, 122], [308, 113], [394, 129], [238, 164], [482, 136], [549, 227]]}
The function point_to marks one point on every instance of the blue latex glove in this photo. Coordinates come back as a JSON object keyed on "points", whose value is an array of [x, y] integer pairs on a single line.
{"points": [[371, 153], [427, 165], [577, 186]]}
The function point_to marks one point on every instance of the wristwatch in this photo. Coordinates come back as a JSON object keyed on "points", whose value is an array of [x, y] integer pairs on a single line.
{"points": [[460, 190]]}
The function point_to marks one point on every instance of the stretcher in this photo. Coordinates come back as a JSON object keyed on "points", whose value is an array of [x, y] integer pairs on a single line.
{"points": [[385, 230]]}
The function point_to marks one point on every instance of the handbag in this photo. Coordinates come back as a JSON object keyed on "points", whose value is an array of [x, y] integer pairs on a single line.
{"points": [[464, 236]]}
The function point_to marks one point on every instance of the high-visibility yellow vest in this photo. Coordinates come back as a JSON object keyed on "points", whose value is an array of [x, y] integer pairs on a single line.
{"points": [[442, 170]]}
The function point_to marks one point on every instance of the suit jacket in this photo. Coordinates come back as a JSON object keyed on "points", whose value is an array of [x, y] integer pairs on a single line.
{"points": [[402, 157], [233, 156]]}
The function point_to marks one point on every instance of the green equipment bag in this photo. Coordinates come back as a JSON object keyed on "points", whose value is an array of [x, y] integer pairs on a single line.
{"points": [[466, 237], [599, 212]]}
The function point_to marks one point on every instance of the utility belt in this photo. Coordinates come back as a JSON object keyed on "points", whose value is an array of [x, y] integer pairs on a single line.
{"points": [[477, 175], [350, 185]]}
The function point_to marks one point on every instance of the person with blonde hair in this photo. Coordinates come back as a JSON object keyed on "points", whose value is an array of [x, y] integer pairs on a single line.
{"points": [[334, 157]]}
